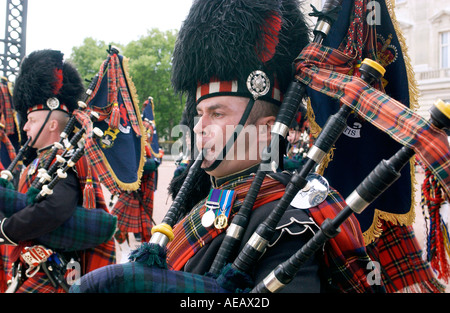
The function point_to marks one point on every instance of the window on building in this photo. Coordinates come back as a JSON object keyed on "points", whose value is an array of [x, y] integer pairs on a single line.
{"points": [[445, 50]]}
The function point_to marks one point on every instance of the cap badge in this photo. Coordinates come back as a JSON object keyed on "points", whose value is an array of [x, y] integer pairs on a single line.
{"points": [[53, 103], [258, 84]]}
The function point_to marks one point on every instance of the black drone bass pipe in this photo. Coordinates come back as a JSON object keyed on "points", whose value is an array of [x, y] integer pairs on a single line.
{"points": [[380, 179], [292, 103]]}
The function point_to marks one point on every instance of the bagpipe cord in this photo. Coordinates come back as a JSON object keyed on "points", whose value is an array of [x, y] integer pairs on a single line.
{"points": [[437, 243]]}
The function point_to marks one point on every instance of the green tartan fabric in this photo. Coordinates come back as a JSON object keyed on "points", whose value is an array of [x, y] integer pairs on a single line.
{"points": [[135, 277], [85, 229]]}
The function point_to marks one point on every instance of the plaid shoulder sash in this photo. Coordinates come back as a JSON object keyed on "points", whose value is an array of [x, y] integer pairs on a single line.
{"points": [[190, 235]]}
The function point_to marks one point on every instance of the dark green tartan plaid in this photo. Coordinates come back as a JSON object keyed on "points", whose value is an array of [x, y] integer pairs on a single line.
{"points": [[136, 277], [85, 229]]}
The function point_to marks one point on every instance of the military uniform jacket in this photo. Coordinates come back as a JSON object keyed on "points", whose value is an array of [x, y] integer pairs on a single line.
{"points": [[293, 231]]}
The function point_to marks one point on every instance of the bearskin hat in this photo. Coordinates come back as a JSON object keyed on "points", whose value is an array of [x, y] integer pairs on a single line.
{"points": [[44, 76], [227, 40]]}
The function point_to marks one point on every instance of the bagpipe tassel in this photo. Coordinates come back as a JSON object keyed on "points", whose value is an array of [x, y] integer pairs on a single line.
{"points": [[89, 200], [113, 83], [114, 118], [150, 254], [446, 238], [438, 243], [32, 194]]}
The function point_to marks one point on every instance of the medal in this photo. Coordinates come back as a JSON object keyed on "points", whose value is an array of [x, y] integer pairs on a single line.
{"points": [[218, 208], [33, 167], [221, 222], [208, 218], [212, 204]]}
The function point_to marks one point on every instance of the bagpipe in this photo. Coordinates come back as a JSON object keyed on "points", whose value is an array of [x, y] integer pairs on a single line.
{"points": [[147, 271], [71, 235], [125, 158]]}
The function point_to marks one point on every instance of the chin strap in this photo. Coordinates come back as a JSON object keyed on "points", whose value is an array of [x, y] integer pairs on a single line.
{"points": [[234, 137]]}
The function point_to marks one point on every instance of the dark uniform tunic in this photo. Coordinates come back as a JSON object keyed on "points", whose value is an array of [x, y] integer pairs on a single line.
{"points": [[43, 217]]}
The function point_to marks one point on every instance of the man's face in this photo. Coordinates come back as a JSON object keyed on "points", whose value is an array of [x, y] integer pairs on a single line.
{"points": [[218, 117], [293, 136], [32, 127]]}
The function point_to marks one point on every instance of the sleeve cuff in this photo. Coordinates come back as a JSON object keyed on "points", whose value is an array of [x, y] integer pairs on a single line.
{"points": [[4, 239]]}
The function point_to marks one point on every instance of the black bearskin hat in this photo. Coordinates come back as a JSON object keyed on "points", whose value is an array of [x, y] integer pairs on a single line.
{"points": [[227, 40], [44, 76]]}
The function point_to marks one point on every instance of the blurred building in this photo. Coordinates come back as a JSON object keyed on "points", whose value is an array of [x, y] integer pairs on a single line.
{"points": [[426, 28]]}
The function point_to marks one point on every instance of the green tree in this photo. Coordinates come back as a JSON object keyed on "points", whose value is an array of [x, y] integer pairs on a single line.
{"points": [[150, 65], [89, 57]]}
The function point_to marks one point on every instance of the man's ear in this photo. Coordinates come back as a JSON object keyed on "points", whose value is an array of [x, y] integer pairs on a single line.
{"points": [[53, 125], [265, 127]]}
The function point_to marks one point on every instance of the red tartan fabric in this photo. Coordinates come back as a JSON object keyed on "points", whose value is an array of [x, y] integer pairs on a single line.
{"points": [[123, 89], [345, 254], [6, 108], [9, 146], [400, 257], [94, 154], [38, 284], [132, 216], [113, 70]]}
